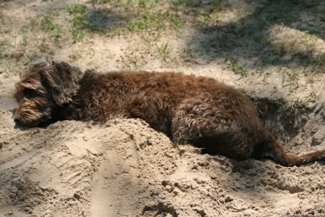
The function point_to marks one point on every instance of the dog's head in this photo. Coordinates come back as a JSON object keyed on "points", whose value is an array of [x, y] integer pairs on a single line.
{"points": [[43, 88]]}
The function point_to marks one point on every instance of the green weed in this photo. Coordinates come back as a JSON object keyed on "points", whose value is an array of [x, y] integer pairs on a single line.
{"points": [[10, 70], [164, 50], [48, 25], [25, 39], [150, 21], [293, 79], [32, 56], [76, 9], [258, 37], [186, 53], [188, 3], [285, 106], [147, 4], [237, 69], [43, 47], [274, 59], [260, 67], [177, 20], [320, 60], [267, 75], [79, 25], [99, 1]]}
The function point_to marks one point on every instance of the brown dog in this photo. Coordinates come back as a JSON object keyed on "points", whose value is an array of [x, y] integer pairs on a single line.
{"points": [[189, 109]]}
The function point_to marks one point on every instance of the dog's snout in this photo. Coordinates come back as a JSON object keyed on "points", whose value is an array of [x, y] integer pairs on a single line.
{"points": [[17, 118]]}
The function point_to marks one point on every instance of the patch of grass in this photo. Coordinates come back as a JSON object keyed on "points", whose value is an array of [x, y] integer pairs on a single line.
{"points": [[76, 9], [261, 23], [320, 9], [32, 56], [164, 51], [81, 22], [311, 32], [188, 3], [147, 15], [48, 25], [260, 67], [271, 18], [176, 20], [43, 47], [201, 12], [320, 60], [25, 39], [258, 37], [186, 53], [152, 21], [79, 25], [305, 101], [287, 106], [148, 4], [235, 67], [274, 59], [10, 70], [239, 69], [99, 1], [267, 75], [293, 79], [143, 16], [31, 25]]}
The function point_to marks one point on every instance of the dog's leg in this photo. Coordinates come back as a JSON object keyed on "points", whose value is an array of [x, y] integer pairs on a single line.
{"points": [[217, 130]]}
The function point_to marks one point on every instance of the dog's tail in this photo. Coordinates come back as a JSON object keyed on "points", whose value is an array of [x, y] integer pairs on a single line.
{"points": [[276, 152]]}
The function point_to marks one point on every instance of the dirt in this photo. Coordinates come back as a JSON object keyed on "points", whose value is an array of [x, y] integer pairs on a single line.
{"points": [[125, 168]]}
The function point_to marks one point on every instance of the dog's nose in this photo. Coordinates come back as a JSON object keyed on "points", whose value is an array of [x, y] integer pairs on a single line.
{"points": [[17, 118]]}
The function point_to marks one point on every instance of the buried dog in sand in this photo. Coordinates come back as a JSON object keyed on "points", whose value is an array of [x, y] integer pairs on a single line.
{"points": [[190, 110]]}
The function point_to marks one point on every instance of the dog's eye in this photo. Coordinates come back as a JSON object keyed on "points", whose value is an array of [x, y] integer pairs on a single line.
{"points": [[28, 93]]}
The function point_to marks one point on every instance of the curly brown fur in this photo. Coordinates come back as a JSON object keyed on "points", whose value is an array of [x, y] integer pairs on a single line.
{"points": [[189, 109]]}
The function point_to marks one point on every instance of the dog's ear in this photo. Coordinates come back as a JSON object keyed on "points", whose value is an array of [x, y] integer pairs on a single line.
{"points": [[31, 78], [61, 81]]}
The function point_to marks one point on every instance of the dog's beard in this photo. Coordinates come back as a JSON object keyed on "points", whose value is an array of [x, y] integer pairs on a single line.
{"points": [[33, 112]]}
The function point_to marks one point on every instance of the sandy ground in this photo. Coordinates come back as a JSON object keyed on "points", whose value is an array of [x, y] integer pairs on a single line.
{"points": [[124, 168]]}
